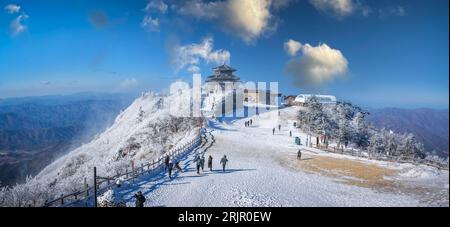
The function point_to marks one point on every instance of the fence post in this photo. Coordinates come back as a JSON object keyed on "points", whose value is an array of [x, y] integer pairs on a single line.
{"points": [[133, 174], [86, 188], [62, 199], [95, 186]]}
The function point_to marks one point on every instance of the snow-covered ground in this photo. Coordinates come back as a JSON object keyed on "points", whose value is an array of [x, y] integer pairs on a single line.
{"points": [[263, 171]]}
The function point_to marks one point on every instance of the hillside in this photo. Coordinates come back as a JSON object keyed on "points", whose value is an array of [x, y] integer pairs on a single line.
{"points": [[144, 131], [429, 126], [35, 131]]}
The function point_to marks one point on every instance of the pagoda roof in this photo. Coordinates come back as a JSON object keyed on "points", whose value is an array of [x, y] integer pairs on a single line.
{"points": [[221, 78], [224, 67]]}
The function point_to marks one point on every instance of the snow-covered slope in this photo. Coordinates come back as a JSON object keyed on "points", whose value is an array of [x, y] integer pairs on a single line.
{"points": [[263, 171], [143, 132]]}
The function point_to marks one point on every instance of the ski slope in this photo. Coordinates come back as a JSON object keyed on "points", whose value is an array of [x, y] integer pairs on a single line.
{"points": [[258, 175]]}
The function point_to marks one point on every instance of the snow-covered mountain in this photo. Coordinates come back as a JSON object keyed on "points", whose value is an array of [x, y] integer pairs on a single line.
{"points": [[143, 132]]}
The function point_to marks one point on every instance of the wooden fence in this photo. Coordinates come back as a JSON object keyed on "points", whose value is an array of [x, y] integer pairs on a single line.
{"points": [[128, 175]]}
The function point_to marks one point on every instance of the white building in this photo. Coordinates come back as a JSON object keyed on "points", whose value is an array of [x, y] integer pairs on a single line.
{"points": [[302, 99]]}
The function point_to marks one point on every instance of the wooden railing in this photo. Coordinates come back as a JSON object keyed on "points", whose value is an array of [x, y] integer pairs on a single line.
{"points": [[106, 182]]}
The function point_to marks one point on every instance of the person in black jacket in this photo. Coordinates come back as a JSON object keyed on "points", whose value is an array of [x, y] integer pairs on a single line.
{"points": [[210, 160], [140, 199], [170, 169], [224, 161], [299, 154], [166, 161]]}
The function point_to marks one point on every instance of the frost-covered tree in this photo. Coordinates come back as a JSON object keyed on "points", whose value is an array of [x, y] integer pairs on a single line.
{"points": [[350, 123], [315, 118], [398, 145], [361, 131]]}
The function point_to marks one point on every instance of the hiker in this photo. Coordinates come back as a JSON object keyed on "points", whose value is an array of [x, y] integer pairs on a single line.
{"points": [[210, 159], [198, 164], [166, 161], [299, 154], [251, 122], [290, 133], [273, 131], [170, 169], [177, 165], [279, 127], [202, 162], [140, 199], [224, 161]]}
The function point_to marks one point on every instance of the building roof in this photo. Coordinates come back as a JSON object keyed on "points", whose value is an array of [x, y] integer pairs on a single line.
{"points": [[224, 67], [322, 98], [223, 73]]}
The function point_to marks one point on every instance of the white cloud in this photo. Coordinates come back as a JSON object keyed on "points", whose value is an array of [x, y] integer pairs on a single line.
{"points": [[193, 69], [12, 8], [156, 5], [201, 10], [16, 25], [150, 24], [193, 54], [292, 47], [340, 8], [128, 84], [247, 19], [392, 11], [317, 65]]}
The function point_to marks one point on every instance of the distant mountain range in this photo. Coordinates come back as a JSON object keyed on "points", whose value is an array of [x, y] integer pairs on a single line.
{"points": [[429, 126], [36, 130]]}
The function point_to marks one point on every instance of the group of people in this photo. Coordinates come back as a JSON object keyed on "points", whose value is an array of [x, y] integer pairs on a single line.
{"points": [[169, 165], [200, 162], [249, 123], [273, 129]]}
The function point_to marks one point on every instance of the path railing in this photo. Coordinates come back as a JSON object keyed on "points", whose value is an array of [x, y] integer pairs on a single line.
{"points": [[129, 174]]}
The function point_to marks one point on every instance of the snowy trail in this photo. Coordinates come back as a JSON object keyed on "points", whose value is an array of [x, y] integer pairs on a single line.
{"points": [[254, 176]]}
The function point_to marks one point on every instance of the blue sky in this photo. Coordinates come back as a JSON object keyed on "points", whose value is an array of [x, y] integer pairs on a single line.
{"points": [[375, 53]]}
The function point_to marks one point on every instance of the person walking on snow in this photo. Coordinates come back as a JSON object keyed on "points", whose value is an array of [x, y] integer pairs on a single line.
{"points": [[251, 122], [170, 169], [224, 161], [279, 127], [290, 133], [202, 162], [197, 163], [273, 131], [210, 159], [140, 199], [299, 154], [166, 161]]}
